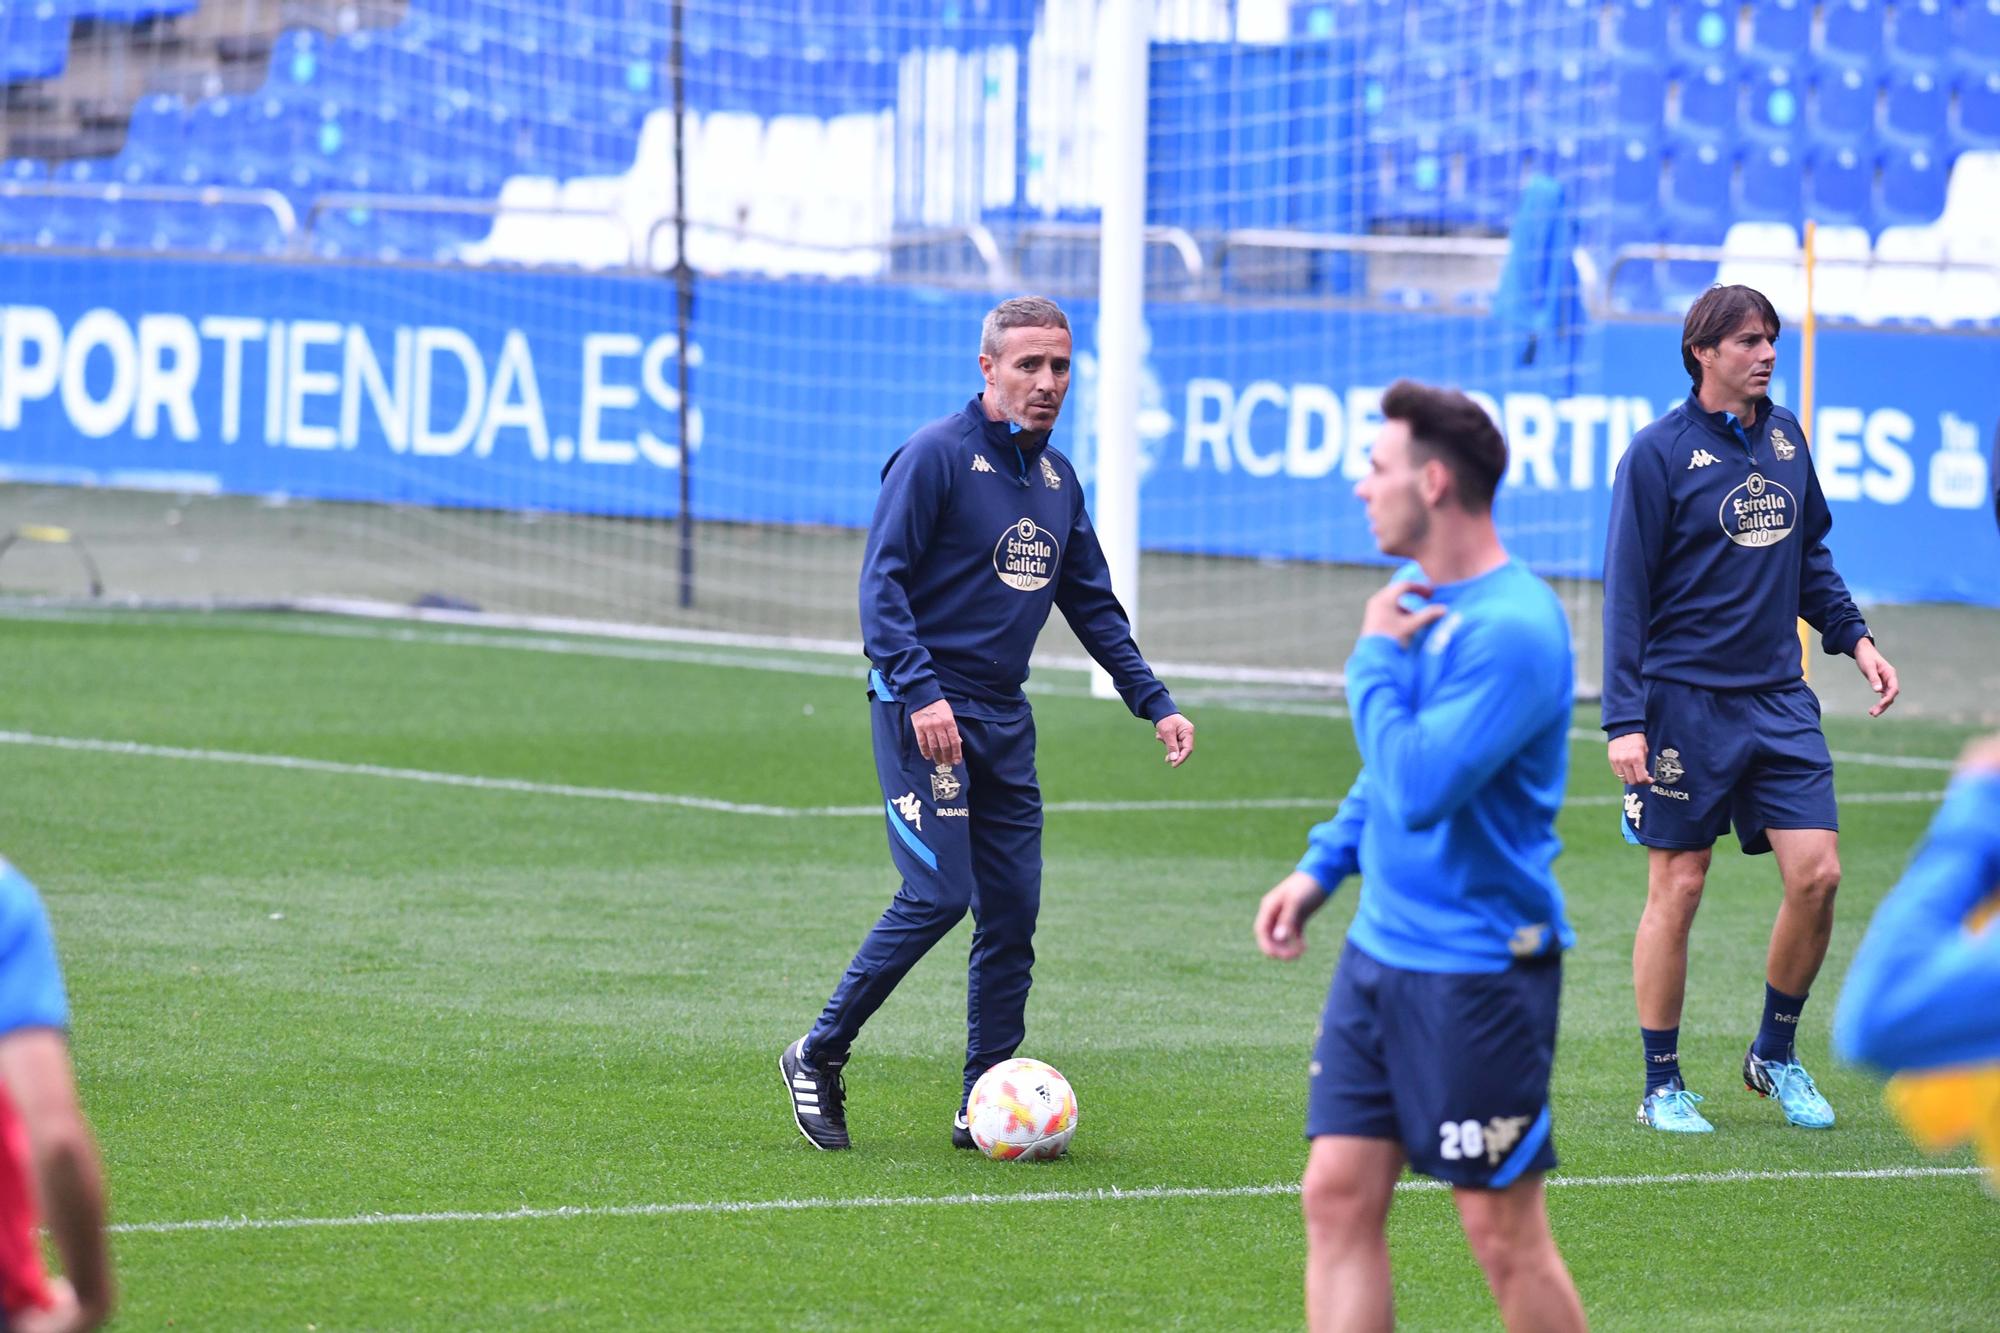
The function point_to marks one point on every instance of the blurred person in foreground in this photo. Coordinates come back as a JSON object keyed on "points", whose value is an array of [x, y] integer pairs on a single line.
{"points": [[1922, 1000], [48, 1161]]}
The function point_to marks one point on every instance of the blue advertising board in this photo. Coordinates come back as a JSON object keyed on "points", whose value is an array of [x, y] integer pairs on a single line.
{"points": [[553, 392]]}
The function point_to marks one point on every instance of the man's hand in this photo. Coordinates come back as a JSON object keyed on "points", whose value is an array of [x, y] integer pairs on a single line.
{"points": [[1881, 677], [1981, 756], [65, 1316], [1281, 917], [937, 734], [1382, 615], [1628, 758], [1177, 734]]}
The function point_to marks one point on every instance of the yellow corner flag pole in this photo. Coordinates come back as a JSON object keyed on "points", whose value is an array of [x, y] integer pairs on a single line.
{"points": [[1806, 330]]}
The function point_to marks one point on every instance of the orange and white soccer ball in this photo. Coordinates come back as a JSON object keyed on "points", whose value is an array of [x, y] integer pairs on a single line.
{"points": [[1022, 1111]]}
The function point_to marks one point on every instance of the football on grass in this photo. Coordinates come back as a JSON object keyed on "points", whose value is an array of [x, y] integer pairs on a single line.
{"points": [[1022, 1111]]}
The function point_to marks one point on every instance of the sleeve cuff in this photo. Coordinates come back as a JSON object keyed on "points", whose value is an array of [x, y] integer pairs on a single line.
{"points": [[1326, 871], [922, 694], [1847, 639], [1613, 730]]}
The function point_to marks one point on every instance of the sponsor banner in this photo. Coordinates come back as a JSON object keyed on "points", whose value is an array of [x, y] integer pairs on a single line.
{"points": [[537, 391]]}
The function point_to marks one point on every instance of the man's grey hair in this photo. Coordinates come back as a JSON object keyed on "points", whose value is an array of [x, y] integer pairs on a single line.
{"points": [[1023, 312]]}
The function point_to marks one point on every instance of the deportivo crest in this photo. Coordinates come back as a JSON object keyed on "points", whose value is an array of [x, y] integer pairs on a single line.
{"points": [[1025, 556], [1758, 513], [1781, 446], [1668, 770], [1050, 477], [945, 785]]}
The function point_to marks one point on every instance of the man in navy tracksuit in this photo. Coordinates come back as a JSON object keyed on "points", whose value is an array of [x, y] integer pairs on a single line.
{"points": [[1716, 549], [980, 528]]}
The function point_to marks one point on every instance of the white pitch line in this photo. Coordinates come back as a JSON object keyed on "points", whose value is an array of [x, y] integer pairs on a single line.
{"points": [[715, 1207], [714, 805]]}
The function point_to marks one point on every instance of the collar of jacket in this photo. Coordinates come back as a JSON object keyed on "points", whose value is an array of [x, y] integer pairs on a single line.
{"points": [[1726, 425], [1002, 435]]}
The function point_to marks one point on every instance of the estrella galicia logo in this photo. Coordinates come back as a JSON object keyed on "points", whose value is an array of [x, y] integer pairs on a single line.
{"points": [[1758, 513], [1025, 556]]}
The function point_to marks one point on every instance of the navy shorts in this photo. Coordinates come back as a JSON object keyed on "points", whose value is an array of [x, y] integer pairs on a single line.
{"points": [[1754, 758], [1454, 1066]]}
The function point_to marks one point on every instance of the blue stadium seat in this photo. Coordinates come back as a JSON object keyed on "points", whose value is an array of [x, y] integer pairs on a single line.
{"points": [[1568, 97], [1708, 103], [22, 217], [1919, 35], [1913, 185], [1977, 124], [1772, 186], [1975, 39], [1424, 96], [1635, 180], [1780, 30], [131, 11], [1705, 33], [1843, 104], [1639, 30], [1913, 110], [1493, 173], [1851, 32], [34, 39], [1421, 184], [1501, 91], [1639, 99], [1840, 185], [1774, 106], [1698, 182], [1560, 29]]}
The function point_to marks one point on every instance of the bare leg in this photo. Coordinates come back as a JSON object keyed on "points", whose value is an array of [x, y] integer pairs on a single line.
{"points": [[1509, 1234], [1674, 880], [1349, 1182], [1809, 861]]}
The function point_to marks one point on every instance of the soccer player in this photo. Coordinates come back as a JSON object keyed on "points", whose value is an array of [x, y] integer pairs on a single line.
{"points": [[1922, 999], [46, 1151], [1717, 548], [1440, 1026], [979, 530]]}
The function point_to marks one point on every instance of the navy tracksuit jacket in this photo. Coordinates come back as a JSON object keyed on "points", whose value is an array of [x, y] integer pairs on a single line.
{"points": [[974, 539]]}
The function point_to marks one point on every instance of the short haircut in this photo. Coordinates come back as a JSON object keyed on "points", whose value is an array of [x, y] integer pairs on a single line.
{"points": [[1450, 427], [1717, 313], [1022, 312]]}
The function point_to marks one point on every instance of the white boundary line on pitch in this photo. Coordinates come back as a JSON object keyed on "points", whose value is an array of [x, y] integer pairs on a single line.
{"points": [[756, 653], [295, 763], [1111, 1194]]}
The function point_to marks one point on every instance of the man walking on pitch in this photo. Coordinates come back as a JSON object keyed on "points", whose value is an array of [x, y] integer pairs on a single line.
{"points": [[1440, 1027], [979, 529], [1716, 549]]}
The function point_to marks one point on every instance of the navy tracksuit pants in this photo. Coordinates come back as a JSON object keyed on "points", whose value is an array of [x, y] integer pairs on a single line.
{"points": [[964, 837]]}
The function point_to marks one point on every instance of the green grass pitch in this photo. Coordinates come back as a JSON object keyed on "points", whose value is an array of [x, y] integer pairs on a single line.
{"points": [[394, 1010]]}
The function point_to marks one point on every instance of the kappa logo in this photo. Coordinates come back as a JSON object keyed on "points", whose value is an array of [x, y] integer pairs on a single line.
{"points": [[979, 464], [945, 785], [1668, 770], [1634, 807], [1701, 458], [1781, 446], [1440, 638], [1757, 513], [1050, 477], [1025, 556], [910, 808]]}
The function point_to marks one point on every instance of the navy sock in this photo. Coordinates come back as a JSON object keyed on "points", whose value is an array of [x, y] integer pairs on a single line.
{"points": [[1780, 1025], [1663, 1056]]}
